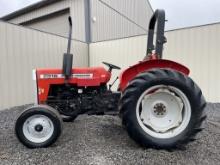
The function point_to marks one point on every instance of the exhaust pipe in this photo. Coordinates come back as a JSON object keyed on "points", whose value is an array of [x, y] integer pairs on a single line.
{"points": [[68, 57]]}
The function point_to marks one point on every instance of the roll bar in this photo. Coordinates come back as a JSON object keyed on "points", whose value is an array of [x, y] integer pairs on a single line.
{"points": [[159, 18]]}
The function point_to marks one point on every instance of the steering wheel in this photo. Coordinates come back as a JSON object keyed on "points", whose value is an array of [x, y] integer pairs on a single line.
{"points": [[111, 66]]}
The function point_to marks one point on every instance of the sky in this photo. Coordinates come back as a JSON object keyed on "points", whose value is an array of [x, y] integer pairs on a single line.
{"points": [[8, 6], [179, 13], [185, 13]]}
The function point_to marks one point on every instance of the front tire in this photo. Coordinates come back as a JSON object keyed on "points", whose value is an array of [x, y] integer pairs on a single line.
{"points": [[38, 126], [162, 108]]}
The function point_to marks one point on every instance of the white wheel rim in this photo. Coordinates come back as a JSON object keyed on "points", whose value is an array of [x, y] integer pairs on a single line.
{"points": [[43, 133], [165, 111]]}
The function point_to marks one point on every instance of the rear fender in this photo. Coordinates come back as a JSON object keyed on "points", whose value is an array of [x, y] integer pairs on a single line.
{"points": [[128, 74]]}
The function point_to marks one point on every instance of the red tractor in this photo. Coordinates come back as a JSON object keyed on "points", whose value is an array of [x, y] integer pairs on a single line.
{"points": [[159, 104]]}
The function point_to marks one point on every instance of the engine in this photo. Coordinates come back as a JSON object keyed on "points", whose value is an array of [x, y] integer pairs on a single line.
{"points": [[71, 100]]}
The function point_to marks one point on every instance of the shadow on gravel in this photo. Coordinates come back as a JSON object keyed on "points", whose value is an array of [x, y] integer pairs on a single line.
{"points": [[102, 140]]}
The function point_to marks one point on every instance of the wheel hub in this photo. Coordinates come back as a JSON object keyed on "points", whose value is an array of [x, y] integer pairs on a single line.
{"points": [[162, 110], [38, 128], [159, 109]]}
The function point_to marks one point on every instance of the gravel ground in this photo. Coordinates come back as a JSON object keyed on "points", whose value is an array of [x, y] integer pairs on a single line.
{"points": [[102, 140]]}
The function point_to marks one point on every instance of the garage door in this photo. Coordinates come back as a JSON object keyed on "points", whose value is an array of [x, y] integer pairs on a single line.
{"points": [[56, 23]]}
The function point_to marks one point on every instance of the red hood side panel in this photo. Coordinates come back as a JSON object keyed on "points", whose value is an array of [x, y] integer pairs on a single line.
{"points": [[81, 77]]}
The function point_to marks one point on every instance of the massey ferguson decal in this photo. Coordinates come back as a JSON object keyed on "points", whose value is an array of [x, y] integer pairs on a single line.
{"points": [[79, 76], [82, 76]]}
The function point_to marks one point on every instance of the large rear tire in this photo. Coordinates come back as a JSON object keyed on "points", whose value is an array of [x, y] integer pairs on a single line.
{"points": [[38, 126], [162, 108]]}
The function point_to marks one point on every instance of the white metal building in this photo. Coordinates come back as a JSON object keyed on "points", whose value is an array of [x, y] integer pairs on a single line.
{"points": [[104, 30], [93, 20]]}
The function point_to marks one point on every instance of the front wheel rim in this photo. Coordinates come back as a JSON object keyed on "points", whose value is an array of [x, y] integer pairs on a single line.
{"points": [[38, 128], [163, 111]]}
